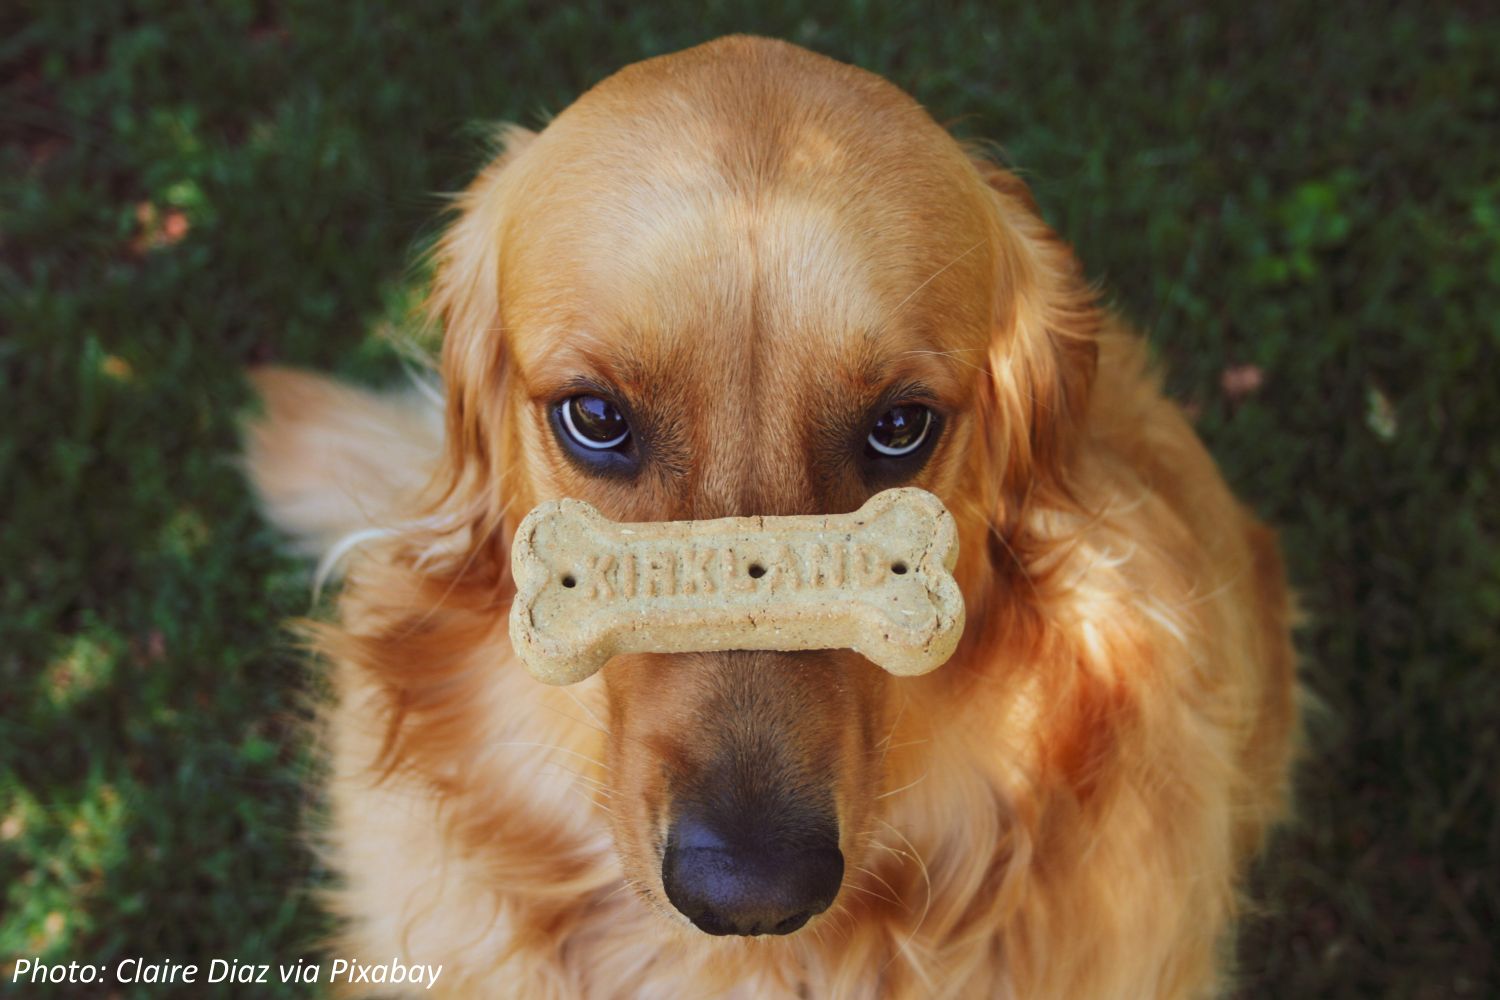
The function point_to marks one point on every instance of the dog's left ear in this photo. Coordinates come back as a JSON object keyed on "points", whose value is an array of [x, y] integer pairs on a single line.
{"points": [[466, 300], [1043, 347]]}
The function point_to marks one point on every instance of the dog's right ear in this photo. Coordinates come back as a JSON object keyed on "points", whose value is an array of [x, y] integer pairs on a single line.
{"points": [[466, 301], [1044, 347]]}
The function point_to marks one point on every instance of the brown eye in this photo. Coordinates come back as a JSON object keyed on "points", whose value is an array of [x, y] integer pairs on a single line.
{"points": [[594, 423], [899, 431]]}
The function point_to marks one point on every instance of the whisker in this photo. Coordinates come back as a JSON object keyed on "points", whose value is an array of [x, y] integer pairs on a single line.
{"points": [[866, 891], [905, 701], [617, 890], [842, 919], [551, 746], [926, 905], [817, 932], [594, 783], [897, 746], [598, 724], [582, 793], [949, 355], [573, 718], [894, 897], [934, 276], [910, 784]]}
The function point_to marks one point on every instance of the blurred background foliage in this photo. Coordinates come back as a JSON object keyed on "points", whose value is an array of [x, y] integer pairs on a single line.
{"points": [[1299, 202]]}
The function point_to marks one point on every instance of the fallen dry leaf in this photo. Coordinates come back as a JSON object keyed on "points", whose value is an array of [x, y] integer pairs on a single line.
{"points": [[1239, 381], [158, 229]]}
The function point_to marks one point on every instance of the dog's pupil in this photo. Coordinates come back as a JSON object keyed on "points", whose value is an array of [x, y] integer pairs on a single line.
{"points": [[597, 418], [901, 427]]}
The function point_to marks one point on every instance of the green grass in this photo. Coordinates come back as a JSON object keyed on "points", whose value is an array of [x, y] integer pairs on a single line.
{"points": [[1313, 190]]}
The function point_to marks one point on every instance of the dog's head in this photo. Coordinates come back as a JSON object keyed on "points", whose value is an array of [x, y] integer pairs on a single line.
{"points": [[743, 280]]}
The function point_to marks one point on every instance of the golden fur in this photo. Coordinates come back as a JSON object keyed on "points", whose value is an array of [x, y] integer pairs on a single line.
{"points": [[752, 242]]}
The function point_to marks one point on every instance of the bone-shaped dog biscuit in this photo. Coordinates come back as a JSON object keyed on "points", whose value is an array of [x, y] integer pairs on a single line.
{"points": [[876, 580]]}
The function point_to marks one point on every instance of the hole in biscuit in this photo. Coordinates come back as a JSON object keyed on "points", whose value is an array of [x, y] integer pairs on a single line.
{"points": [[568, 581], [757, 571], [899, 568]]}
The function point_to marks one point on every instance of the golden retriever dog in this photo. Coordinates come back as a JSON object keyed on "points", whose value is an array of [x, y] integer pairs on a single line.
{"points": [[746, 279]]}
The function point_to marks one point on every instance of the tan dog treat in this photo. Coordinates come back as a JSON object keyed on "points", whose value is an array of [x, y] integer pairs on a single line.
{"points": [[877, 580]]}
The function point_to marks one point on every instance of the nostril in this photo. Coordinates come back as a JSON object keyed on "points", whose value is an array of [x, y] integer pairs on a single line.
{"points": [[748, 885]]}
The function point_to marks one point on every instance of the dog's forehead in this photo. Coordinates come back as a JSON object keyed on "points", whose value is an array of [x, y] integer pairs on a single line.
{"points": [[715, 285], [676, 258]]}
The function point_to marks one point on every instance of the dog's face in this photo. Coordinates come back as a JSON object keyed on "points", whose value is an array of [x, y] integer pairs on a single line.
{"points": [[696, 296]]}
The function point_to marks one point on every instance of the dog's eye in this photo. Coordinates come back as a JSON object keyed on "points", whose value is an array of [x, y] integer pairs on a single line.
{"points": [[594, 423], [899, 431], [595, 434]]}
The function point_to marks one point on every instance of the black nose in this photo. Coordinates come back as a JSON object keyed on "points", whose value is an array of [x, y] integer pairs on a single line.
{"points": [[749, 884]]}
